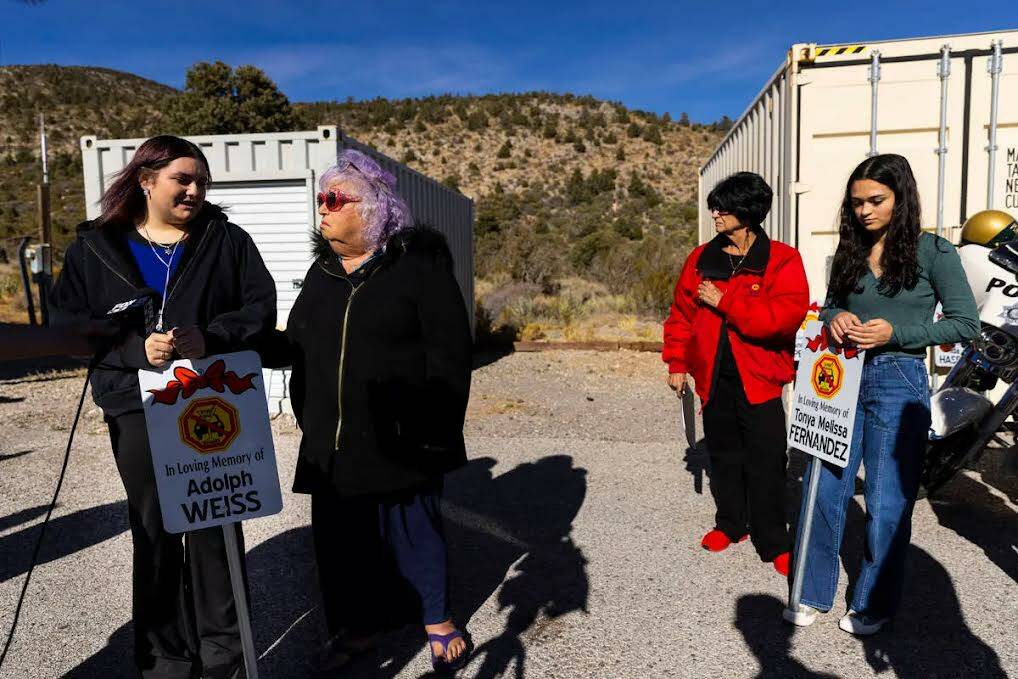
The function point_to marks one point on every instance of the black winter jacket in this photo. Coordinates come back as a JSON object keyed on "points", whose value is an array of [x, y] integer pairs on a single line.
{"points": [[381, 368], [220, 284]]}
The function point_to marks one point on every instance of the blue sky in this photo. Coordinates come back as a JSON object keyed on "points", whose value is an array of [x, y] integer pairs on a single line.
{"points": [[707, 58]]}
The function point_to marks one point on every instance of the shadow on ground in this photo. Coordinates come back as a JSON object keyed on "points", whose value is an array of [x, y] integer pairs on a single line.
{"points": [[971, 510], [928, 637], [36, 367], [65, 535], [513, 529], [758, 618]]}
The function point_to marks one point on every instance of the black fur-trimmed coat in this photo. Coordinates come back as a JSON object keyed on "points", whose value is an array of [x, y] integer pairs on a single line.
{"points": [[381, 368]]}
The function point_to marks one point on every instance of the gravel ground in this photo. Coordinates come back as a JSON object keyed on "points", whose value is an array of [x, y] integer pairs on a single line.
{"points": [[574, 534]]}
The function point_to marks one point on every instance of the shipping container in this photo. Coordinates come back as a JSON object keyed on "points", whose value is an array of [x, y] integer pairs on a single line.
{"points": [[267, 184], [948, 104]]}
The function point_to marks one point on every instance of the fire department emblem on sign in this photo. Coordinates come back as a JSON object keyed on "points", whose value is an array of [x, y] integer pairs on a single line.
{"points": [[827, 376], [209, 425]]}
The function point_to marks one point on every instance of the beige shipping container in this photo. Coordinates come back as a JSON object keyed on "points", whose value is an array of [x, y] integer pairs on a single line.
{"points": [[948, 104]]}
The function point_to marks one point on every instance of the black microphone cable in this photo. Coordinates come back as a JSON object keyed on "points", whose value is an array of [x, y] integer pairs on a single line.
{"points": [[56, 493], [143, 305]]}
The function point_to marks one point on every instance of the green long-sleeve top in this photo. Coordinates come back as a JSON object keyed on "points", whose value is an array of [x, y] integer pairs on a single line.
{"points": [[910, 312]]}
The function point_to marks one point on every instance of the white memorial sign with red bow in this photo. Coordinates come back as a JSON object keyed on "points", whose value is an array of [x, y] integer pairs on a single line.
{"points": [[212, 452]]}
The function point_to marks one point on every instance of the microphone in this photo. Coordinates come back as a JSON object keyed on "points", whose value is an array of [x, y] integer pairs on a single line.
{"points": [[136, 314]]}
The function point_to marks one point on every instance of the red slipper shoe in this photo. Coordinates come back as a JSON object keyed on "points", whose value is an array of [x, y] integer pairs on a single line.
{"points": [[781, 563], [716, 541]]}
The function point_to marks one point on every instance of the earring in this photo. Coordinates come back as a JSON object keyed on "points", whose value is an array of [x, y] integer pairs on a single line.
{"points": [[148, 194]]}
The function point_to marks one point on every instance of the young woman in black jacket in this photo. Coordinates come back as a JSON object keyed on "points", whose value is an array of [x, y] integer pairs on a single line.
{"points": [[380, 345], [214, 295]]}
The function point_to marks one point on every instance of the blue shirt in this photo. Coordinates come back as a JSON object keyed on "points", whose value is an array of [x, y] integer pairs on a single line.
{"points": [[153, 272]]}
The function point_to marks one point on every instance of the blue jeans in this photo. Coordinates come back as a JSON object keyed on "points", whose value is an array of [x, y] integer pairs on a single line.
{"points": [[892, 418], [381, 558]]}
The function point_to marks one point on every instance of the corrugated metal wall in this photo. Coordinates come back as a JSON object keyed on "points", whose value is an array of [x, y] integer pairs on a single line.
{"points": [[437, 206], [758, 142]]}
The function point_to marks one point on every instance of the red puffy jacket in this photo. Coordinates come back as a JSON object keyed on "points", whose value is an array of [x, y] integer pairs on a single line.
{"points": [[763, 305]]}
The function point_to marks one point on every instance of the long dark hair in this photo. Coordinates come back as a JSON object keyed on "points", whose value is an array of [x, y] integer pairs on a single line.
{"points": [[124, 203], [899, 260]]}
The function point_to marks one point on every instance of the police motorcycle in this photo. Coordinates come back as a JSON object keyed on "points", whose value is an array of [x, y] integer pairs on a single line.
{"points": [[972, 406]]}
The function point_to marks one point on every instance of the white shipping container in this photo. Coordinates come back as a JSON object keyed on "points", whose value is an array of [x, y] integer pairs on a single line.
{"points": [[932, 100]]}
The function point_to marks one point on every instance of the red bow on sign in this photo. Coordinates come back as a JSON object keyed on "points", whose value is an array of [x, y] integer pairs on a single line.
{"points": [[215, 377], [822, 342]]}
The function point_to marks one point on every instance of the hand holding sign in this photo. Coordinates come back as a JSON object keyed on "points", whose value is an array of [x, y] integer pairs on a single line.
{"points": [[158, 349], [189, 342], [871, 334]]}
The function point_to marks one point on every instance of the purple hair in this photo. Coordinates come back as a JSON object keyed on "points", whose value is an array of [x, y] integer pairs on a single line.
{"points": [[383, 211]]}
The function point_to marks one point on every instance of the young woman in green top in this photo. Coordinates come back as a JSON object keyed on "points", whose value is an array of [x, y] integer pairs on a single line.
{"points": [[886, 280]]}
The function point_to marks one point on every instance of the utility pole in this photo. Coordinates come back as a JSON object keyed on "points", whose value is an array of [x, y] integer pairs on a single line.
{"points": [[42, 264]]}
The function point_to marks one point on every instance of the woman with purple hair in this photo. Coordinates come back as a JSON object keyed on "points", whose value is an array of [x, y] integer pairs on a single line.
{"points": [[380, 346]]}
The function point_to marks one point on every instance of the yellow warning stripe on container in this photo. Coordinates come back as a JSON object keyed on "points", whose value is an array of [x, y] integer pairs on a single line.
{"points": [[839, 50]]}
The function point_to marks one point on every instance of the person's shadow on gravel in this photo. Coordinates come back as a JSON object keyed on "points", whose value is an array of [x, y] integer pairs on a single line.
{"points": [[538, 502], [758, 618], [65, 535], [969, 509], [928, 636], [513, 529]]}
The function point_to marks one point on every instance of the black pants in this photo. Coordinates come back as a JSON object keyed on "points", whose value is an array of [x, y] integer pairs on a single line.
{"points": [[748, 459], [183, 610], [381, 559]]}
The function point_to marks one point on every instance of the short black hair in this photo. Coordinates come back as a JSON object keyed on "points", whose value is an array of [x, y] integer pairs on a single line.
{"points": [[743, 194]]}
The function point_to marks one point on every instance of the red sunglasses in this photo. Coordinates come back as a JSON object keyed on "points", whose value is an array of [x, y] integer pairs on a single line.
{"points": [[334, 200]]}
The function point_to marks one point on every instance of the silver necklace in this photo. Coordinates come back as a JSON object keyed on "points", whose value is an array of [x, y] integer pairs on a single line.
{"points": [[735, 267], [742, 258], [168, 262], [168, 248]]}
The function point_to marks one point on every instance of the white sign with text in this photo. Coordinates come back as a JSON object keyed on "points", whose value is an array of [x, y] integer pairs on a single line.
{"points": [[824, 401], [208, 427]]}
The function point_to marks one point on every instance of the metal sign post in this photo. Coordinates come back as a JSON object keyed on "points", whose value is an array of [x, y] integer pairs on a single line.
{"points": [[233, 556], [807, 528]]}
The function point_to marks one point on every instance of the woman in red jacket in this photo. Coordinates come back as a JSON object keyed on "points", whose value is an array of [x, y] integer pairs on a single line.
{"points": [[738, 303]]}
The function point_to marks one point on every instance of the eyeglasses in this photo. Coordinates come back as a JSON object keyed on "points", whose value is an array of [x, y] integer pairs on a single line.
{"points": [[719, 212], [335, 200]]}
